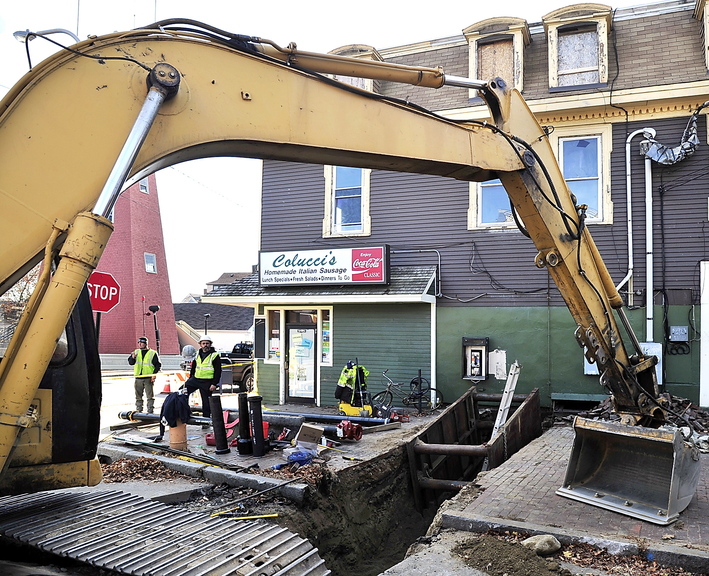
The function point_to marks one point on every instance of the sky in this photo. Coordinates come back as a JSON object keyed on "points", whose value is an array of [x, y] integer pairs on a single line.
{"points": [[314, 25]]}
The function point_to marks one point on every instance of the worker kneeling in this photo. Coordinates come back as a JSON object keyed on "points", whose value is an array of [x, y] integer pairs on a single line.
{"points": [[205, 374]]}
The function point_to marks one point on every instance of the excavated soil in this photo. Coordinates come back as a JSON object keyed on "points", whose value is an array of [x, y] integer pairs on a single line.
{"points": [[362, 519]]}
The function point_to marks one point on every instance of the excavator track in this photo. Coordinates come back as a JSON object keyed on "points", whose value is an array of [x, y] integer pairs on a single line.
{"points": [[133, 535]]}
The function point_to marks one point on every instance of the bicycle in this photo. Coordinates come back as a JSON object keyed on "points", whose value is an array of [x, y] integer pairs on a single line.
{"points": [[418, 393]]}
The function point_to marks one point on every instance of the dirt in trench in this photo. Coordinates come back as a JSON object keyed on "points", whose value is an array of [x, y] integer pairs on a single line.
{"points": [[362, 520]]}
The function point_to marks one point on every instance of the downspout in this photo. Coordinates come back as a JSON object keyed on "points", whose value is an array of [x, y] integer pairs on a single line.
{"points": [[647, 133], [649, 262]]}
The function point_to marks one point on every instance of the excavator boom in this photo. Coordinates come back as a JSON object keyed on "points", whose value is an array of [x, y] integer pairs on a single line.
{"points": [[235, 95]]}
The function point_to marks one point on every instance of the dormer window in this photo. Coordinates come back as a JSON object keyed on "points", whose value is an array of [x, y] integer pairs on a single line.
{"points": [[578, 46], [496, 49]]}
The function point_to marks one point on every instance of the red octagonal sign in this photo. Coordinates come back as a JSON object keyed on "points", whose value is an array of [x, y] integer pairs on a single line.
{"points": [[104, 291]]}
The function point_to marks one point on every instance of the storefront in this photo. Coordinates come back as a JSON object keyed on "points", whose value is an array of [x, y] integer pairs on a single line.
{"points": [[307, 331]]}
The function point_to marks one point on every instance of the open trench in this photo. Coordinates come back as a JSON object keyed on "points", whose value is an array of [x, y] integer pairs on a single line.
{"points": [[363, 519]]}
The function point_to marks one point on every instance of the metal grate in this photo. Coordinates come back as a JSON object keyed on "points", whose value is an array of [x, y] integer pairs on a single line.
{"points": [[133, 535]]}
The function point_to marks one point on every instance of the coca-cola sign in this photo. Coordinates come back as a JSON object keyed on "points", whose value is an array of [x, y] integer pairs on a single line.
{"points": [[327, 266]]}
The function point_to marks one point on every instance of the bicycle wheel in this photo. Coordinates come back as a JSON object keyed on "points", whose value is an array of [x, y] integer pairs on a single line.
{"points": [[382, 402], [427, 402], [425, 385]]}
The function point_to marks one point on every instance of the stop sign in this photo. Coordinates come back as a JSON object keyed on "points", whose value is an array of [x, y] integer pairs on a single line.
{"points": [[104, 291]]}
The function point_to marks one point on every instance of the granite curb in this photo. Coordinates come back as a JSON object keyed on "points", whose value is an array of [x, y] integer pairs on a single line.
{"points": [[296, 492]]}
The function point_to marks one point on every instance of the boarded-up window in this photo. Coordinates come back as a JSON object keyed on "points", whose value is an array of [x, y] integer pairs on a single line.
{"points": [[578, 57], [496, 59]]}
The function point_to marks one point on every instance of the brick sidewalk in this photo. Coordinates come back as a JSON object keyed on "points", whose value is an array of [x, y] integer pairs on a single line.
{"points": [[521, 493]]}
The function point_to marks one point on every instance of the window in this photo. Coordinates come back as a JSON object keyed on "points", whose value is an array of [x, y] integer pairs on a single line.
{"points": [[578, 57], [320, 316], [584, 156], [496, 49], [580, 160], [151, 263], [490, 206], [578, 45], [143, 186], [326, 337], [273, 324], [346, 202]]}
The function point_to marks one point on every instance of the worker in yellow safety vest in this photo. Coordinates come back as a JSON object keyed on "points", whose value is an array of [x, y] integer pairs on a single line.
{"points": [[146, 364], [205, 374]]}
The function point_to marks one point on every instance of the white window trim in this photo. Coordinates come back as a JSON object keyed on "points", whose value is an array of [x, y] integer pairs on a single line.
{"points": [[154, 260], [579, 14], [328, 228], [498, 29], [321, 362], [605, 131], [474, 195]]}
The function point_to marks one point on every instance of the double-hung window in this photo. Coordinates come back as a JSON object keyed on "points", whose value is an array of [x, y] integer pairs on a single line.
{"points": [[584, 156], [580, 160], [346, 201]]}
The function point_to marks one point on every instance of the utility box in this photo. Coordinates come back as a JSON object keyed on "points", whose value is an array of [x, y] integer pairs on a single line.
{"points": [[679, 333]]}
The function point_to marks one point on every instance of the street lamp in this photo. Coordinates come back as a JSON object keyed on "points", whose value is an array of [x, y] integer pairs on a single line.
{"points": [[154, 309], [206, 323], [25, 35]]}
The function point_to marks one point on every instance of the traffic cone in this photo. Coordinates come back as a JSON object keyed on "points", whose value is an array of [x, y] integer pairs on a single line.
{"points": [[166, 389]]}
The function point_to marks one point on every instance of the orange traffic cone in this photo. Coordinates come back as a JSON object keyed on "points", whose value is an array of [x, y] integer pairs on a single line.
{"points": [[166, 389]]}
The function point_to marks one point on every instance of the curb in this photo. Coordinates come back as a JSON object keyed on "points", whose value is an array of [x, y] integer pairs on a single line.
{"points": [[296, 492]]}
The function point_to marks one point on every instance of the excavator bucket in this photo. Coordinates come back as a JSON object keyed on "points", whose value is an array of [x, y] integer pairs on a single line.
{"points": [[646, 473]]}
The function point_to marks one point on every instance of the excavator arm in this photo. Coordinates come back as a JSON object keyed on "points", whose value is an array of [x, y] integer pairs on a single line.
{"points": [[65, 124]]}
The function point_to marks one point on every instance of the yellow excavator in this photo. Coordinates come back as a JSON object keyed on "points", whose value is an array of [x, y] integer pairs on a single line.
{"points": [[101, 114]]}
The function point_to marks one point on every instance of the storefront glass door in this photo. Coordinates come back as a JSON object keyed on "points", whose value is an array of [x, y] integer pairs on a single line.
{"points": [[300, 367]]}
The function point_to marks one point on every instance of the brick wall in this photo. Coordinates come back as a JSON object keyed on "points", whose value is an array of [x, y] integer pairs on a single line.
{"points": [[138, 229]]}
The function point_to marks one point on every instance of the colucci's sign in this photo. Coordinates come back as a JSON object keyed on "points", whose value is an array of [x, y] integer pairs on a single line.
{"points": [[327, 266]]}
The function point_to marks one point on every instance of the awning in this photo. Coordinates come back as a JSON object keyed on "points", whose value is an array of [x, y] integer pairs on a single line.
{"points": [[406, 284]]}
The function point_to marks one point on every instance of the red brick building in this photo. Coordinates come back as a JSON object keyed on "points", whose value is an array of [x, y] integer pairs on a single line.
{"points": [[135, 256]]}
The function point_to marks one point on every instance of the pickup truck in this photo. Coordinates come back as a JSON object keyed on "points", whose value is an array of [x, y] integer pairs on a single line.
{"points": [[240, 361]]}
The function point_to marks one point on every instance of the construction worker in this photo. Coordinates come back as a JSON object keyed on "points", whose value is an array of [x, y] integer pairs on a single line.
{"points": [[205, 374], [146, 364]]}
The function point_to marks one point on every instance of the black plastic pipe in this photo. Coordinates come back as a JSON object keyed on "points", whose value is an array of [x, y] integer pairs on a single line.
{"points": [[257, 426], [222, 446]]}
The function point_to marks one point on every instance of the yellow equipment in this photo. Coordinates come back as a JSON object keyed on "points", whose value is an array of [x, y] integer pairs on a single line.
{"points": [[82, 125]]}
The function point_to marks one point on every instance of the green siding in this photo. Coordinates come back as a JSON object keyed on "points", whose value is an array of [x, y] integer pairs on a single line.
{"points": [[542, 341], [267, 378], [380, 336]]}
